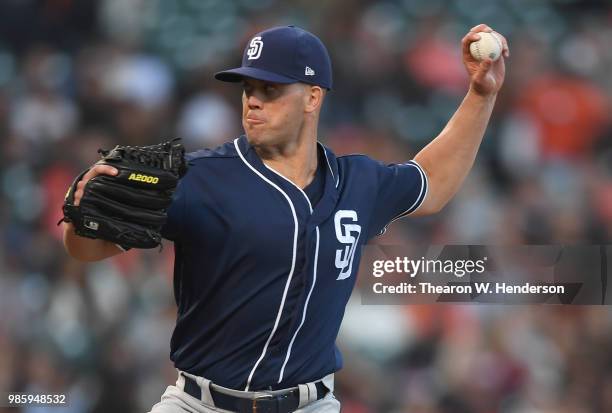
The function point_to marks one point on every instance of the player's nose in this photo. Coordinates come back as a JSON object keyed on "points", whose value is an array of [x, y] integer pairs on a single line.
{"points": [[253, 102]]}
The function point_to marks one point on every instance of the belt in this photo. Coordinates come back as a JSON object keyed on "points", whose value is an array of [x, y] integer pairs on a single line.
{"points": [[269, 403]]}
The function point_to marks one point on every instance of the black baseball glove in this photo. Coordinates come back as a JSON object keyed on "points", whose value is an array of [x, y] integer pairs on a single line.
{"points": [[129, 208]]}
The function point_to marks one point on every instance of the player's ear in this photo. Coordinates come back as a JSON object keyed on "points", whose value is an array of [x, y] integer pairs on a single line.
{"points": [[313, 97]]}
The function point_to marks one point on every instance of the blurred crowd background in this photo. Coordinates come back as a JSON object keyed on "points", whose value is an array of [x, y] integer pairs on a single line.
{"points": [[79, 75]]}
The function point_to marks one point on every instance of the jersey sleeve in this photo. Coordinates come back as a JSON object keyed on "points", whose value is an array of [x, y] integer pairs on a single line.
{"points": [[402, 188]]}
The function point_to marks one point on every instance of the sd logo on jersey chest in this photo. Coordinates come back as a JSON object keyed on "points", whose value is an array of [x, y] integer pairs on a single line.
{"points": [[347, 233]]}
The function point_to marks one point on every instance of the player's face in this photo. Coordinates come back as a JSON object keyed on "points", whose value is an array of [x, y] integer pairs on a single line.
{"points": [[272, 113]]}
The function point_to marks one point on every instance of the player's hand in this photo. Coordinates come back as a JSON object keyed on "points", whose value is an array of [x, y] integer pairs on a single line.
{"points": [[487, 76], [95, 170]]}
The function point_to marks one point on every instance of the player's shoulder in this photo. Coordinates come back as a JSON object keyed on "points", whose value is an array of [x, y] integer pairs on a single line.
{"points": [[354, 157], [359, 160], [356, 160], [226, 150]]}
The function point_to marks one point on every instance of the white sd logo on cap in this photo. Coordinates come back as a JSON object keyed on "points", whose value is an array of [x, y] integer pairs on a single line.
{"points": [[255, 47]]}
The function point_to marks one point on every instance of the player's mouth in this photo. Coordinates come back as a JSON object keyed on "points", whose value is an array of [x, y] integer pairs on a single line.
{"points": [[253, 120]]}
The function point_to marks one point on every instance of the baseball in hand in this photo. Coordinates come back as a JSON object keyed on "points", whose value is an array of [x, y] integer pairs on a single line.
{"points": [[489, 46]]}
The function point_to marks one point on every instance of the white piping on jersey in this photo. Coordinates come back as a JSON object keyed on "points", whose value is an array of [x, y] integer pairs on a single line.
{"points": [[424, 186], [314, 280], [291, 182], [314, 276], [330, 168], [295, 236]]}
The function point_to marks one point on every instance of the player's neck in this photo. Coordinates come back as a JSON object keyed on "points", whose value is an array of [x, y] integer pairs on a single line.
{"points": [[296, 160]]}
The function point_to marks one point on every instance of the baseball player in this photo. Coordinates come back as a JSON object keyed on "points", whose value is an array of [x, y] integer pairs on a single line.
{"points": [[268, 230]]}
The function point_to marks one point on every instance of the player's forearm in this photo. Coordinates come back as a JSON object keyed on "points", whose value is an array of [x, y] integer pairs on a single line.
{"points": [[87, 249], [449, 157]]}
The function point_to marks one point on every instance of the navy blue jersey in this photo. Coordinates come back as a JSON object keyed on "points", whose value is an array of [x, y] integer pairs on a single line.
{"points": [[262, 277]]}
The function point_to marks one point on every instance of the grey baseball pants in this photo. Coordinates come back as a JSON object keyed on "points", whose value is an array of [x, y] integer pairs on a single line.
{"points": [[175, 400]]}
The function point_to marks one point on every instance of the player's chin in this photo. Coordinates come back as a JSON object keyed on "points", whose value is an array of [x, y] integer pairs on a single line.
{"points": [[255, 133]]}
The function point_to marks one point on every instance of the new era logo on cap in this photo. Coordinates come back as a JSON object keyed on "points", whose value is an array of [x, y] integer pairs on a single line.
{"points": [[291, 53]]}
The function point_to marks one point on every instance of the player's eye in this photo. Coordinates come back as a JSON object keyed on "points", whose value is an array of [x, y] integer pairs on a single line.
{"points": [[270, 90]]}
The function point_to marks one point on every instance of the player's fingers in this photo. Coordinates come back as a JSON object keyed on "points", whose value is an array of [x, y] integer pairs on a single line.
{"points": [[481, 28], [483, 69], [470, 37], [99, 169], [78, 194], [90, 174], [465, 44], [80, 188], [505, 48], [105, 170], [94, 171]]}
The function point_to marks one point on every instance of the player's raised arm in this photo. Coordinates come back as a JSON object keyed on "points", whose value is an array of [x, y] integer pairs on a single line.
{"points": [[450, 156]]}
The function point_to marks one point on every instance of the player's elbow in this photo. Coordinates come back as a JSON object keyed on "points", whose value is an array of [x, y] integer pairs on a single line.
{"points": [[440, 191], [432, 204], [426, 208]]}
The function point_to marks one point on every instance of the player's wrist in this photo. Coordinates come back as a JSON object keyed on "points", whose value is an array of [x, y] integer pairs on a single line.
{"points": [[476, 92]]}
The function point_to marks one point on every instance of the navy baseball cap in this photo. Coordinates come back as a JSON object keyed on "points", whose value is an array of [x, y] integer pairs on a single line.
{"points": [[286, 54]]}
